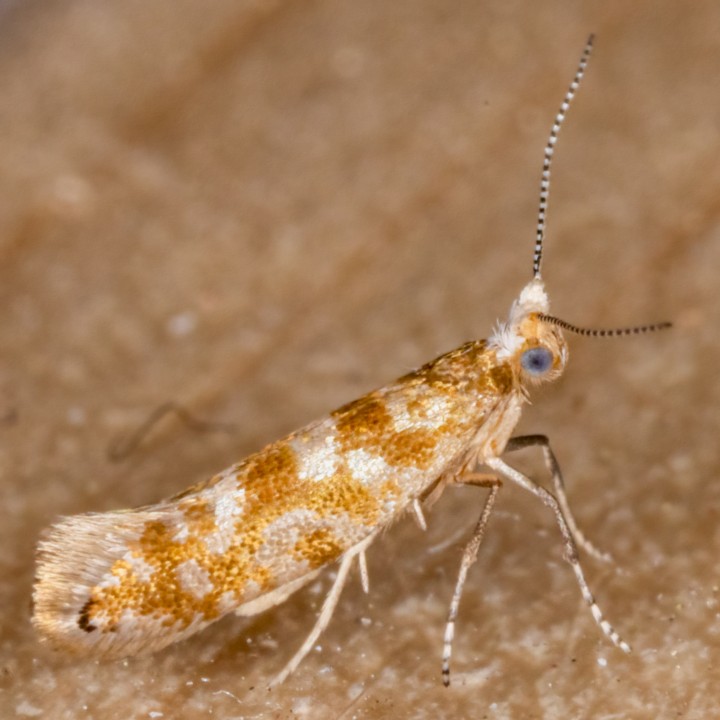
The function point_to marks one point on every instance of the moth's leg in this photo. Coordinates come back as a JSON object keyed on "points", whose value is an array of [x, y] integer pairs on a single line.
{"points": [[419, 517], [519, 443], [364, 575], [328, 607], [571, 553], [121, 448], [468, 558]]}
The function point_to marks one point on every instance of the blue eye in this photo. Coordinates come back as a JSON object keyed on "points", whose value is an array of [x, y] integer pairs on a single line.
{"points": [[537, 360]]}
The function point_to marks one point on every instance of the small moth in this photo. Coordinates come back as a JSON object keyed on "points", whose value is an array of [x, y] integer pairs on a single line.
{"points": [[119, 583]]}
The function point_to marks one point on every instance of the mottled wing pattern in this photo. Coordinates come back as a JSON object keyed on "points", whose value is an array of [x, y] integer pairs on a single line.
{"points": [[123, 582]]}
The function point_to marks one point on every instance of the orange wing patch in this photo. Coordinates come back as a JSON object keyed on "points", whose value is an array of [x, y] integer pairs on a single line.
{"points": [[319, 547], [366, 424]]}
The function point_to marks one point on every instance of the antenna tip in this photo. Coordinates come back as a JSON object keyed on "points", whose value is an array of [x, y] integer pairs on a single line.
{"points": [[549, 151]]}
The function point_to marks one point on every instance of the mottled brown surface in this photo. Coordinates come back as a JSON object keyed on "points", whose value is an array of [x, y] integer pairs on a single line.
{"points": [[263, 210]]}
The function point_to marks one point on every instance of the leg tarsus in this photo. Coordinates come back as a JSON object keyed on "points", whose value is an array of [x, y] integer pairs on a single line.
{"points": [[469, 557], [571, 554], [551, 463], [326, 612]]}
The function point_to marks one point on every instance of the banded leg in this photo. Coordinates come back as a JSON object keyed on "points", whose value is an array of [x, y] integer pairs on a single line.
{"points": [[571, 553], [469, 557], [326, 612], [519, 443]]}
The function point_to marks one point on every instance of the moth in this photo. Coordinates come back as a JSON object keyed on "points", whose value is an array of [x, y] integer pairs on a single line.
{"points": [[120, 583]]}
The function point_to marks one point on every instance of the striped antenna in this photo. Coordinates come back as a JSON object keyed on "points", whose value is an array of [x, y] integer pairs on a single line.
{"points": [[550, 149], [639, 330]]}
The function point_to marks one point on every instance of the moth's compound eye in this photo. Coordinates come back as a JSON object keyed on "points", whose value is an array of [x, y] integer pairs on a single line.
{"points": [[537, 361]]}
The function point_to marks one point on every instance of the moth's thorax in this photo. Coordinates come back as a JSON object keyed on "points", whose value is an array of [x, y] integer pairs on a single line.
{"points": [[526, 331]]}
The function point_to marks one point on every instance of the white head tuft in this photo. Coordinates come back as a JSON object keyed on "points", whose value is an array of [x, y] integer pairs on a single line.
{"points": [[534, 347], [532, 298]]}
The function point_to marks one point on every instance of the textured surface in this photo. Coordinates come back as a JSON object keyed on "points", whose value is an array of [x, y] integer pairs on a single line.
{"points": [[264, 210]]}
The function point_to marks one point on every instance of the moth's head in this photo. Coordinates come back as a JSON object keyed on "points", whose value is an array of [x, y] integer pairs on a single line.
{"points": [[531, 341], [535, 349]]}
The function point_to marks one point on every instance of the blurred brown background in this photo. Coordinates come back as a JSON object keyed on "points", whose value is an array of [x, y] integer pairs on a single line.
{"points": [[264, 209]]}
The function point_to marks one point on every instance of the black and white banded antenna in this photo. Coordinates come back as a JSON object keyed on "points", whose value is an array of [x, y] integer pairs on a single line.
{"points": [[597, 332], [550, 149], [542, 212]]}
